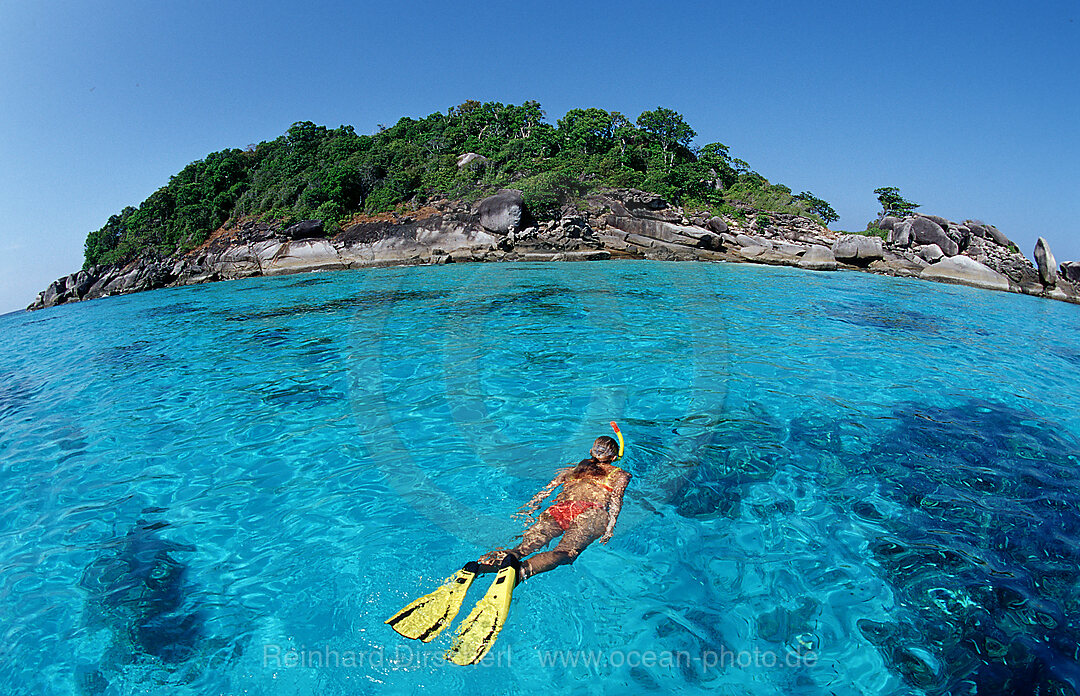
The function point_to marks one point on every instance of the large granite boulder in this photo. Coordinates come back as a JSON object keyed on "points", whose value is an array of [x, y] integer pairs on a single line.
{"points": [[502, 212], [900, 234], [717, 225], [857, 249], [931, 253], [640, 204], [85, 282], [54, 294], [150, 274], [959, 234], [746, 240], [304, 255], [1044, 258], [926, 231], [305, 229], [237, 262], [471, 158], [999, 237], [103, 281], [964, 270], [711, 241], [942, 222], [904, 264], [981, 229], [818, 258], [666, 232], [887, 223], [1071, 271]]}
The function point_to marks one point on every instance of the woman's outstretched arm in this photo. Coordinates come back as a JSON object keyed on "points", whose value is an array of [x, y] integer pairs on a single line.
{"points": [[530, 507], [615, 505]]}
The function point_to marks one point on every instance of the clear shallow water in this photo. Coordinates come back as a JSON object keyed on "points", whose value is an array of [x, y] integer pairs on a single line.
{"points": [[876, 476]]}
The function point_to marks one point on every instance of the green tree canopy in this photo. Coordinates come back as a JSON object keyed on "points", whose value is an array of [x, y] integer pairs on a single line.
{"points": [[587, 131], [892, 203], [333, 174], [818, 207], [668, 128]]}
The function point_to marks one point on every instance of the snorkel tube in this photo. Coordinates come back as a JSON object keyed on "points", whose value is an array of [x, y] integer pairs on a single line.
{"points": [[618, 434]]}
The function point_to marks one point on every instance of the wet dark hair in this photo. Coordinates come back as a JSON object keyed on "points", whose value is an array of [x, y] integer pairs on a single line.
{"points": [[605, 447]]}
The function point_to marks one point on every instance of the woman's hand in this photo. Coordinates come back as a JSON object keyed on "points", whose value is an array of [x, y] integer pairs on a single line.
{"points": [[533, 505]]}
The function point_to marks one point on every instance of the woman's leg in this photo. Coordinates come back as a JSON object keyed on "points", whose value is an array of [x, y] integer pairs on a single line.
{"points": [[584, 530], [535, 537]]}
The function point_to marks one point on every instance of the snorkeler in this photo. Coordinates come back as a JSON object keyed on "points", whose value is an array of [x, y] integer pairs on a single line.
{"points": [[585, 510]]}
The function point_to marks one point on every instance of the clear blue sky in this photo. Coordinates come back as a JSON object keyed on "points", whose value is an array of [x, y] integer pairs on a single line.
{"points": [[972, 109]]}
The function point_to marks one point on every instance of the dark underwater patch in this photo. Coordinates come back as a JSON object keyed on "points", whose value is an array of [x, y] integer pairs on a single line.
{"points": [[883, 317], [1068, 355], [723, 463], [317, 351], [984, 556], [271, 338], [16, 393], [139, 590], [131, 357], [310, 282], [366, 301], [176, 309], [300, 394], [550, 302], [36, 321]]}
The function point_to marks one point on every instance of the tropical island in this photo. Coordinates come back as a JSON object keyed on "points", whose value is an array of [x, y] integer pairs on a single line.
{"points": [[494, 182]]}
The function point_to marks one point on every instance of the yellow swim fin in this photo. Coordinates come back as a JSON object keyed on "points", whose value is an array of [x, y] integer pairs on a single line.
{"points": [[477, 633], [425, 618]]}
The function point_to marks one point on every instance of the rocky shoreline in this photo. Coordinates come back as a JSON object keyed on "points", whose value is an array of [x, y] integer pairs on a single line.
{"points": [[613, 224]]}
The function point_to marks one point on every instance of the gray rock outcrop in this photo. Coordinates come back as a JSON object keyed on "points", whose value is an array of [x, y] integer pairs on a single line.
{"points": [[717, 225], [887, 223], [1044, 259], [471, 159], [502, 212], [640, 204], [900, 234], [818, 258], [857, 249], [1004, 260], [255, 248], [305, 229], [999, 237], [984, 231], [612, 223], [931, 253], [951, 237], [963, 270], [923, 230], [645, 224], [304, 255]]}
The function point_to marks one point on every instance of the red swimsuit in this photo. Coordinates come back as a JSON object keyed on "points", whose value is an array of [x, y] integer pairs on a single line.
{"points": [[565, 511]]}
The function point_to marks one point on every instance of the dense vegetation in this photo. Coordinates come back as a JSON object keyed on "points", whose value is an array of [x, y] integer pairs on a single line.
{"points": [[892, 203], [313, 172]]}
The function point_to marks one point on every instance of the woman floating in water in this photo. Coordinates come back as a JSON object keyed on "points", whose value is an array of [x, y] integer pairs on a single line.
{"points": [[585, 510]]}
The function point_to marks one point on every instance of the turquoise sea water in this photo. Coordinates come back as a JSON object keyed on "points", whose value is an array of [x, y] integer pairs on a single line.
{"points": [[844, 484]]}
